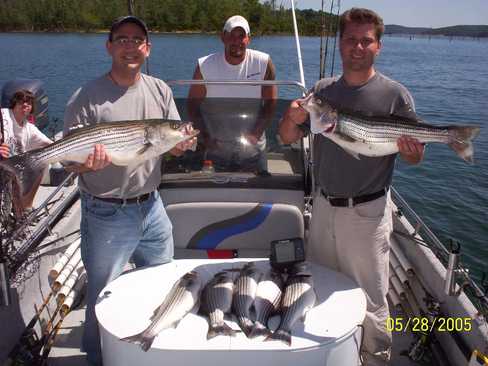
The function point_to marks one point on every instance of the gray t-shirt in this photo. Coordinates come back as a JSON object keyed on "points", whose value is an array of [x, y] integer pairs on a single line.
{"points": [[99, 101], [336, 171]]}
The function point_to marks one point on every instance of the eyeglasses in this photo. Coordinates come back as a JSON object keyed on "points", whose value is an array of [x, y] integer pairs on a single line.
{"points": [[125, 41], [365, 42]]}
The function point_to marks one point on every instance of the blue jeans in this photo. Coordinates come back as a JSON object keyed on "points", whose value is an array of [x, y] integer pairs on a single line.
{"points": [[111, 234]]}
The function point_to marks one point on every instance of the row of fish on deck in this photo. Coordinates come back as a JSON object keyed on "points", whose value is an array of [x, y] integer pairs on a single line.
{"points": [[254, 297]]}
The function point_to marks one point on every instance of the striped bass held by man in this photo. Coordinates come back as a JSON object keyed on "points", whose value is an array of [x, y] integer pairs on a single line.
{"points": [[127, 142], [357, 133]]}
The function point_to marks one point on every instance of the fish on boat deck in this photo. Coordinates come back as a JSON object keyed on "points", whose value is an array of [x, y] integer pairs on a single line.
{"points": [[244, 293], [298, 298], [181, 299], [267, 301], [216, 301]]}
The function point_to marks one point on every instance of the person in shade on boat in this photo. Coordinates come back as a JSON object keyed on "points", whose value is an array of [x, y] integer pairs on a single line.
{"points": [[20, 135], [122, 215], [352, 218], [227, 144]]}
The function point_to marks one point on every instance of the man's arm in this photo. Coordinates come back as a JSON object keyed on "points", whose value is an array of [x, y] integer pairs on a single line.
{"points": [[269, 91], [294, 116], [269, 94], [195, 96]]}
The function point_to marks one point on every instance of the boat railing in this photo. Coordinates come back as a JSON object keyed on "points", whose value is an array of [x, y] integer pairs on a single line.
{"points": [[427, 238], [297, 84]]}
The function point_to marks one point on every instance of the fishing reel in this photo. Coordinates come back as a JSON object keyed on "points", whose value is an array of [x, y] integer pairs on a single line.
{"points": [[286, 253]]}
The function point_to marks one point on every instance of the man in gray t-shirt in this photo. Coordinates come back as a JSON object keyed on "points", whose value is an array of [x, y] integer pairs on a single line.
{"points": [[345, 235], [122, 215]]}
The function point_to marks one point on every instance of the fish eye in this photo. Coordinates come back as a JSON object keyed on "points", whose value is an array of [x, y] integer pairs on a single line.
{"points": [[318, 100], [174, 125]]}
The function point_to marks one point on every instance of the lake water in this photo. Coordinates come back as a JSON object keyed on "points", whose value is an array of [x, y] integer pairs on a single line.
{"points": [[448, 79]]}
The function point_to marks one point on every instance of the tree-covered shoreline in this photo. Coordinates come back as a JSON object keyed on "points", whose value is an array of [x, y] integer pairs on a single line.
{"points": [[185, 16]]}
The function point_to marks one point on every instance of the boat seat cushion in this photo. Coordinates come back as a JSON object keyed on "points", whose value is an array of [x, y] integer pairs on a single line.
{"points": [[247, 227]]}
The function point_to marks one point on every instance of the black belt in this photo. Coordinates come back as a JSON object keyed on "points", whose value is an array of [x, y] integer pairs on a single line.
{"points": [[353, 201], [123, 201]]}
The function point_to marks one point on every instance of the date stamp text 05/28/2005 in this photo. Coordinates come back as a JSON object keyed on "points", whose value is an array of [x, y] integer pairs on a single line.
{"points": [[423, 324]]}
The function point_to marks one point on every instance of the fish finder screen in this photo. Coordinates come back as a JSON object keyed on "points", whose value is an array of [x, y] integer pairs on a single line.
{"points": [[285, 252]]}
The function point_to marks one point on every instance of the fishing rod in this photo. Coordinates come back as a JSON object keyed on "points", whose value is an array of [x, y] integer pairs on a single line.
{"points": [[335, 38], [327, 38], [27, 350], [5, 298], [322, 35], [130, 6], [50, 342], [131, 10]]}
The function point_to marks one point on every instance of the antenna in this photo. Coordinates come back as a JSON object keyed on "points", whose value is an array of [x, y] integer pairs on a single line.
{"points": [[297, 40]]}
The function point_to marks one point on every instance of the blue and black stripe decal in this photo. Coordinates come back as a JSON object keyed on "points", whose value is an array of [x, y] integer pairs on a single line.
{"points": [[212, 235]]}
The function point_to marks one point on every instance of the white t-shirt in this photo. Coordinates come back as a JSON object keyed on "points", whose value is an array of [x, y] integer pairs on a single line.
{"points": [[21, 138], [216, 67]]}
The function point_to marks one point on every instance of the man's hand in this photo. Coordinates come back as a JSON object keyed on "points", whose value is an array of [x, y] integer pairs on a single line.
{"points": [[411, 150], [252, 137], [97, 160], [296, 112], [4, 151], [189, 144], [294, 116]]}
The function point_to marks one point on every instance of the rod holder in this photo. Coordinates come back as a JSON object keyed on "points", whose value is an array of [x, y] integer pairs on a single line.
{"points": [[5, 298], [452, 270]]}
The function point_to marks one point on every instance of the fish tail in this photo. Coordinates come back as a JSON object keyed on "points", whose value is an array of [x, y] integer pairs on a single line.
{"points": [[143, 340], [221, 329], [280, 335], [460, 138], [259, 330], [246, 325]]}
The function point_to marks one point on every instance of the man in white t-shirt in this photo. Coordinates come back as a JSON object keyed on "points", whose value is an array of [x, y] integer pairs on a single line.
{"points": [[19, 135], [236, 62]]}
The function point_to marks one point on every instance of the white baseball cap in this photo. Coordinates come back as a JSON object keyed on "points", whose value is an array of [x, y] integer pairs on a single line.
{"points": [[237, 21]]}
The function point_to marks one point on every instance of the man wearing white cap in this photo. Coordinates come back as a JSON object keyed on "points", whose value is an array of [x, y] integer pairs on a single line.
{"points": [[237, 62]]}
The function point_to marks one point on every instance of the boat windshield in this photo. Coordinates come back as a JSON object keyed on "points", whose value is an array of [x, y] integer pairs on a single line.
{"points": [[238, 145]]}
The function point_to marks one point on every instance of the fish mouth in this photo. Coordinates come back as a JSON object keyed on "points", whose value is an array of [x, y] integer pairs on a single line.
{"points": [[307, 103], [329, 128]]}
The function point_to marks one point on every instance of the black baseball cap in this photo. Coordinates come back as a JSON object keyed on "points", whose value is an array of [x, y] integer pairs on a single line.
{"points": [[127, 19]]}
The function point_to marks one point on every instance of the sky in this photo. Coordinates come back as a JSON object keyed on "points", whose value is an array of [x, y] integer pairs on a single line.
{"points": [[413, 13]]}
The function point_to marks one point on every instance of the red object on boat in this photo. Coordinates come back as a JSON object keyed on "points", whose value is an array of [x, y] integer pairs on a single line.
{"points": [[221, 253]]}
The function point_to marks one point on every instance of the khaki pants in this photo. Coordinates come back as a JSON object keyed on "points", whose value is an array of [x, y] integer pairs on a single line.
{"points": [[356, 242]]}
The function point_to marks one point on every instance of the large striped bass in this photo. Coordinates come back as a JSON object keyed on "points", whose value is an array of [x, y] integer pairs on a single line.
{"points": [[244, 293], [267, 301], [377, 136], [181, 299], [127, 142], [216, 301], [298, 298]]}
